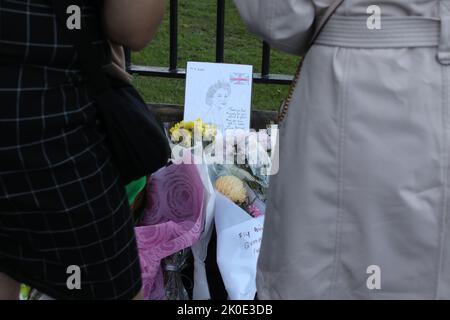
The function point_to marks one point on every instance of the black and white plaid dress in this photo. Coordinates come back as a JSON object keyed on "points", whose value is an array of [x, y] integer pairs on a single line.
{"points": [[61, 201]]}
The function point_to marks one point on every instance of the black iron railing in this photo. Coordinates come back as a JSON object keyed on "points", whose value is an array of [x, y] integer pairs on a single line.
{"points": [[172, 71]]}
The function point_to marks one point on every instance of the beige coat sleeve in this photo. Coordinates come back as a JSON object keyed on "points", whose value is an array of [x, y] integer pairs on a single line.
{"points": [[285, 24]]}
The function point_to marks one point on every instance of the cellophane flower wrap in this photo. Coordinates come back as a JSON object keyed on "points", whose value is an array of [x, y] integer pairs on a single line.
{"points": [[190, 138], [173, 278], [172, 221]]}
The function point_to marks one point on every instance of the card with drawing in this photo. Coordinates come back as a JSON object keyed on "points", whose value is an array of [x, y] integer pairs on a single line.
{"points": [[219, 94]]}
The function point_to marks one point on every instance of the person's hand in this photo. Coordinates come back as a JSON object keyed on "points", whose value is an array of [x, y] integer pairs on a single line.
{"points": [[132, 23]]}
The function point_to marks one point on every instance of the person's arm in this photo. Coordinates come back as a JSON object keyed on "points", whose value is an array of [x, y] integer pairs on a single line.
{"points": [[285, 24], [132, 23]]}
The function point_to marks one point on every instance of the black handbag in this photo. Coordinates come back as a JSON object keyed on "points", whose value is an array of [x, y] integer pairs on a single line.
{"points": [[135, 134]]}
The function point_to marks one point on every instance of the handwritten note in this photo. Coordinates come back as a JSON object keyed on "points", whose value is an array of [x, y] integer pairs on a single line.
{"points": [[251, 236]]}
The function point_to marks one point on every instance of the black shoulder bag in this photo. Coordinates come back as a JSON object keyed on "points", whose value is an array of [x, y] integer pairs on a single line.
{"points": [[135, 134]]}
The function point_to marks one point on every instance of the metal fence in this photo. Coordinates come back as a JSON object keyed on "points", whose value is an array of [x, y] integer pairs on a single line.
{"points": [[173, 71]]}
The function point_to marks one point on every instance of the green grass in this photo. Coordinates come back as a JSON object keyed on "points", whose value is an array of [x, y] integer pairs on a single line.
{"points": [[197, 26]]}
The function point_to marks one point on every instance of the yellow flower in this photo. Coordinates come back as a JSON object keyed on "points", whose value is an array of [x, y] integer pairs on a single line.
{"points": [[197, 127], [181, 136], [233, 188], [175, 134], [209, 132], [176, 127], [198, 122], [189, 125]]}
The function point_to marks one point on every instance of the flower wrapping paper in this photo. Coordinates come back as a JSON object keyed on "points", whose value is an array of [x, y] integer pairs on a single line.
{"points": [[239, 238], [172, 221]]}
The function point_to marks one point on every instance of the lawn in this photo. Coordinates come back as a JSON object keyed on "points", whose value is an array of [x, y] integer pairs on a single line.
{"points": [[197, 25]]}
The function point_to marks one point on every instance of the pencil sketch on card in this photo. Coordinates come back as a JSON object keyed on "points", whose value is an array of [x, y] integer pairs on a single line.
{"points": [[219, 94]]}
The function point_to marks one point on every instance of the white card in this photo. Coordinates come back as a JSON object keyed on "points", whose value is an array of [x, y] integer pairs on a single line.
{"points": [[219, 94]]}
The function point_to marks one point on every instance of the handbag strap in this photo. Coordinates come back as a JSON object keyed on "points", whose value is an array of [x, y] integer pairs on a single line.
{"points": [[324, 19], [318, 29], [90, 58]]}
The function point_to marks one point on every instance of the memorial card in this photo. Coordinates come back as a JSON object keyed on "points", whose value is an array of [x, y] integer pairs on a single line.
{"points": [[219, 94]]}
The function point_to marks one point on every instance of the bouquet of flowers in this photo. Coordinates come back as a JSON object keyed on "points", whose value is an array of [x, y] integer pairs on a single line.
{"points": [[238, 166], [188, 133], [172, 221], [188, 139], [241, 186]]}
